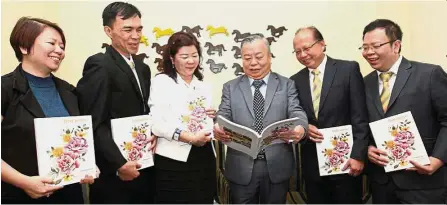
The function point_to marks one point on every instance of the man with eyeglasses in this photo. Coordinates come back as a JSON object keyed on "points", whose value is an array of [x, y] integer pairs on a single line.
{"points": [[331, 92], [399, 85]]}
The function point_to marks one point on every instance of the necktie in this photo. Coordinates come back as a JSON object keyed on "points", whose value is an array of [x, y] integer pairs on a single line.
{"points": [[385, 95], [316, 90], [258, 106]]}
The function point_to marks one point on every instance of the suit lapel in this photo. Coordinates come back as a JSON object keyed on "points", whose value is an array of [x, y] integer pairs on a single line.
{"points": [[271, 89], [401, 79], [141, 78], [244, 85], [27, 99], [122, 64], [305, 92], [68, 98], [372, 87], [328, 78]]}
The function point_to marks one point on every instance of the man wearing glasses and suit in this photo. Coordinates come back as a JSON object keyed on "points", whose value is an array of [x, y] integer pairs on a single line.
{"points": [[399, 85], [331, 91]]}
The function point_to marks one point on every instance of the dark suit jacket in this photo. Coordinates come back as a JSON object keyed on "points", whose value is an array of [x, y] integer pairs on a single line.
{"points": [[342, 102], [107, 90], [19, 109], [422, 89]]}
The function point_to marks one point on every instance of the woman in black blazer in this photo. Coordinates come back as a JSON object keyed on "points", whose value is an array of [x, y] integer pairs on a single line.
{"points": [[29, 92]]}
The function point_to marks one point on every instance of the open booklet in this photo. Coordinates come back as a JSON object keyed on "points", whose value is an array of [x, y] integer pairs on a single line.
{"points": [[132, 136], [335, 150], [399, 137], [247, 140], [65, 150]]}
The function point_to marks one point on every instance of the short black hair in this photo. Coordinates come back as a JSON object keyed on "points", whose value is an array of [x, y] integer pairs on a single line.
{"points": [[118, 8], [26, 31], [392, 30]]}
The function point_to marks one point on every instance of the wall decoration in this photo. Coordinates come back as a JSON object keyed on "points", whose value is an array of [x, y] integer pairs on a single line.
{"points": [[239, 71], [194, 30], [216, 67], [140, 56], [159, 63], [219, 30], [214, 48], [159, 49], [237, 52], [271, 40], [144, 40], [160, 33], [276, 32], [239, 36]]}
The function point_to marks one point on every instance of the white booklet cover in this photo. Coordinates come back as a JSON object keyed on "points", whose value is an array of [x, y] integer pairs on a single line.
{"points": [[193, 118], [247, 140], [65, 149], [400, 138], [335, 150], [132, 136]]}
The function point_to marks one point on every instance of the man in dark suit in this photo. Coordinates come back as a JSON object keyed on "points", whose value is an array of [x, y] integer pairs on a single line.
{"points": [[398, 85], [331, 92], [256, 100], [114, 85]]}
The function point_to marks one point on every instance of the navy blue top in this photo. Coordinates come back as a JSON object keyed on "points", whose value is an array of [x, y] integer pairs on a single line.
{"points": [[47, 95]]}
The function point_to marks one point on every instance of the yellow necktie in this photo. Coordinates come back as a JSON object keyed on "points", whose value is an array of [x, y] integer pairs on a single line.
{"points": [[386, 94], [316, 90]]}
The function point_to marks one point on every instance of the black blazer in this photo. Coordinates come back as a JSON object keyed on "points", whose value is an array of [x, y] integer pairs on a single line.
{"points": [[107, 90], [342, 102], [19, 108], [422, 89]]}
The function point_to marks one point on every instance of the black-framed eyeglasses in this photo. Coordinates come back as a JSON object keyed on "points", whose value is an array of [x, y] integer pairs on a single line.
{"points": [[366, 48], [306, 49]]}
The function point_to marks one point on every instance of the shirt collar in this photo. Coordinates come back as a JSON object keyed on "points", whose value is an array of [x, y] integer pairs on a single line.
{"points": [[394, 68], [129, 60], [265, 79], [320, 67]]}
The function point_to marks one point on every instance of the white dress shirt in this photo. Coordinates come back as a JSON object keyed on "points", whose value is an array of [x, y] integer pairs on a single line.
{"points": [[263, 88], [321, 68], [394, 68]]}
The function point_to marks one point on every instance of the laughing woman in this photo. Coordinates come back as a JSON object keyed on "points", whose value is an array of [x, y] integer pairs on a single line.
{"points": [[30, 92]]}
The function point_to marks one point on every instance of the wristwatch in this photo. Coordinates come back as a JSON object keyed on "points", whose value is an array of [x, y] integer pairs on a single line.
{"points": [[176, 135]]}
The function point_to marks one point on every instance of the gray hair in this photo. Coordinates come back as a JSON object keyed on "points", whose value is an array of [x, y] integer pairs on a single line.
{"points": [[253, 37]]}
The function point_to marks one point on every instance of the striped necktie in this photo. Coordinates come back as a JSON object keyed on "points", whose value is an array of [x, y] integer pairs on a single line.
{"points": [[385, 95], [316, 91]]}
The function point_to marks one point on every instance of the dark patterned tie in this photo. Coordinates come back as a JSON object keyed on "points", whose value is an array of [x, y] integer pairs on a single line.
{"points": [[258, 105]]}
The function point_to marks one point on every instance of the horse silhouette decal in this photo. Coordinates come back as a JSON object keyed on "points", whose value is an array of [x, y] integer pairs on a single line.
{"points": [[144, 40], [159, 63], [217, 48], [159, 49], [160, 33], [216, 68], [237, 52], [270, 40], [276, 32], [219, 30], [239, 36], [239, 71], [194, 30]]}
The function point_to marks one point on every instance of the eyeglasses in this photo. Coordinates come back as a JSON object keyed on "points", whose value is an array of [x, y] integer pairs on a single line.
{"points": [[306, 49], [365, 48]]}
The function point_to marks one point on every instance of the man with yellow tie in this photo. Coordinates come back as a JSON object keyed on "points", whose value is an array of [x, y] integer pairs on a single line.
{"points": [[331, 91], [398, 85]]}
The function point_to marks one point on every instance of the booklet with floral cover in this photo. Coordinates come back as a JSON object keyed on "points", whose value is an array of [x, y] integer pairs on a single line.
{"points": [[335, 150], [65, 150], [192, 118], [247, 140], [132, 136], [400, 138]]}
